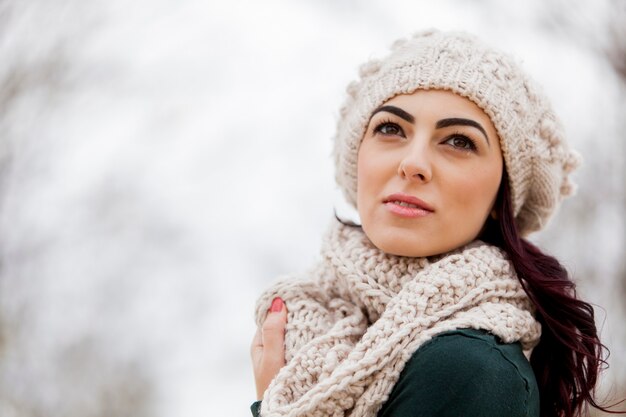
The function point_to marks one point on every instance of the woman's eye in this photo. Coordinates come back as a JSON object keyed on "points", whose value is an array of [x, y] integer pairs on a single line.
{"points": [[461, 142], [390, 129]]}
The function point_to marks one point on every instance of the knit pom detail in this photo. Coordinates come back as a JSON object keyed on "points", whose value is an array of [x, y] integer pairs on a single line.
{"points": [[370, 68], [353, 88], [549, 130], [568, 188], [572, 161], [425, 33], [399, 43]]}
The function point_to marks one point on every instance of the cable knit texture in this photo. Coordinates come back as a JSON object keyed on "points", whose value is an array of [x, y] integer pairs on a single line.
{"points": [[536, 156], [357, 317]]}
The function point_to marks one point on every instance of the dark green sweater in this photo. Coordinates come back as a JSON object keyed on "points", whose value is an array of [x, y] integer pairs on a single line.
{"points": [[463, 373]]}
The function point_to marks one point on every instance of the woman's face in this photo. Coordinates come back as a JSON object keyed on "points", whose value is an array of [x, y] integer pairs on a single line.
{"points": [[429, 169]]}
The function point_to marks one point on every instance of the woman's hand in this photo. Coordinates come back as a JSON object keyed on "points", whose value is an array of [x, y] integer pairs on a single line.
{"points": [[268, 347]]}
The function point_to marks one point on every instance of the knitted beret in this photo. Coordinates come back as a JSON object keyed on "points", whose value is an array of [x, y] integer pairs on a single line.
{"points": [[536, 157]]}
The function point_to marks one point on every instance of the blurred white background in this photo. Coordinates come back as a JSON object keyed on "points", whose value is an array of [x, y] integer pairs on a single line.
{"points": [[163, 161]]}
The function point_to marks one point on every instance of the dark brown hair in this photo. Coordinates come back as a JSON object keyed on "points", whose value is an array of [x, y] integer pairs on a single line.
{"points": [[569, 357]]}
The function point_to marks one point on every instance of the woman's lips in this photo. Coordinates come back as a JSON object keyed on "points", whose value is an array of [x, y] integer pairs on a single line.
{"points": [[405, 205]]}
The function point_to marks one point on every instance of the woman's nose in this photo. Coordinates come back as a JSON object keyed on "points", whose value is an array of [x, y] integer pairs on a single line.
{"points": [[416, 163]]}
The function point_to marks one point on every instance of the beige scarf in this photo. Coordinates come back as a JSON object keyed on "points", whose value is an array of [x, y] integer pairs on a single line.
{"points": [[357, 317]]}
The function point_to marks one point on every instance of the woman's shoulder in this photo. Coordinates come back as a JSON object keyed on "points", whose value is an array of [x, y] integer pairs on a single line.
{"points": [[475, 346], [465, 372]]}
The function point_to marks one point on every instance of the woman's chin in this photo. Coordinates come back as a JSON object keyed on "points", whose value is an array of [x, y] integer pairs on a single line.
{"points": [[400, 247]]}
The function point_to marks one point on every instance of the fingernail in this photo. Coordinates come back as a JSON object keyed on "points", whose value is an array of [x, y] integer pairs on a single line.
{"points": [[277, 305]]}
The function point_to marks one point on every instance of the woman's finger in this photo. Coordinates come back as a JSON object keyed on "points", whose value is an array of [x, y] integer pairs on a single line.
{"points": [[256, 347], [268, 346], [273, 333]]}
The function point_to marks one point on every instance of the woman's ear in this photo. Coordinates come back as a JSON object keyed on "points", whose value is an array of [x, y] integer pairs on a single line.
{"points": [[493, 214]]}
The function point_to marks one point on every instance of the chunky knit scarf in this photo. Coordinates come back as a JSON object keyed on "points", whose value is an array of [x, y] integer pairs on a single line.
{"points": [[357, 317]]}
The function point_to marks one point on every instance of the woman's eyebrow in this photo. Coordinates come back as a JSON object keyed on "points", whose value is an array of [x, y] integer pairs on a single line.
{"points": [[458, 121], [453, 121], [395, 110]]}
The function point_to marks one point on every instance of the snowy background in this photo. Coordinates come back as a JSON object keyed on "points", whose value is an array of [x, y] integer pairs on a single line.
{"points": [[162, 161]]}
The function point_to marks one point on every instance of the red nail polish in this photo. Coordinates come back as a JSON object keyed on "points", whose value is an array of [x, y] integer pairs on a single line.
{"points": [[277, 305]]}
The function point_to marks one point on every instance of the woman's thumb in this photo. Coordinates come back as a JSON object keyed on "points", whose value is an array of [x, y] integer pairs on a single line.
{"points": [[274, 326]]}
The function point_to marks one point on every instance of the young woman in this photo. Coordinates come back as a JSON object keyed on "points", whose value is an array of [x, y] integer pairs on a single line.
{"points": [[435, 305]]}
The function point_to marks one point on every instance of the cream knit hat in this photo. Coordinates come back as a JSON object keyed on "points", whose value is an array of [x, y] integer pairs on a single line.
{"points": [[536, 156]]}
